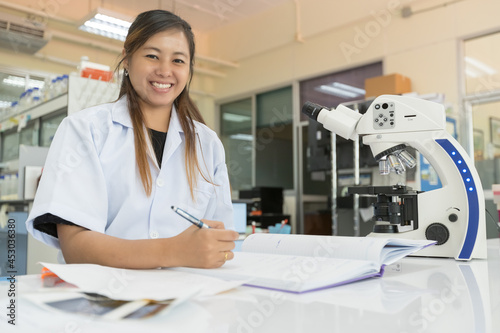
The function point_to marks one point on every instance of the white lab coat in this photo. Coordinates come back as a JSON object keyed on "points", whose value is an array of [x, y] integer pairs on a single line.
{"points": [[91, 178]]}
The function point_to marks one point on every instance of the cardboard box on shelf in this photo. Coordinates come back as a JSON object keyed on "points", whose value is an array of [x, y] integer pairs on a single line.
{"points": [[392, 84]]}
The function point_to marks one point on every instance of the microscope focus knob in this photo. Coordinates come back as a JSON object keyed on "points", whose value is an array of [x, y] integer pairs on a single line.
{"points": [[453, 217], [437, 232]]}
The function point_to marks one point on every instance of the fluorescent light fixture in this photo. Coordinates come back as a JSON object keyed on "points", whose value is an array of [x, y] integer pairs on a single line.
{"points": [[107, 23], [479, 66], [341, 90], [238, 118]]}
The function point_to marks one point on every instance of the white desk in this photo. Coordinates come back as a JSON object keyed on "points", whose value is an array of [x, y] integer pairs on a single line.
{"points": [[421, 295]]}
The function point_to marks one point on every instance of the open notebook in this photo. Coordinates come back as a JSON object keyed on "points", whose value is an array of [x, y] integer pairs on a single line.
{"points": [[301, 263]]}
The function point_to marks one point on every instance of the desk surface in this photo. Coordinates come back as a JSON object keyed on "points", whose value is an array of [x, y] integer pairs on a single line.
{"points": [[416, 295]]}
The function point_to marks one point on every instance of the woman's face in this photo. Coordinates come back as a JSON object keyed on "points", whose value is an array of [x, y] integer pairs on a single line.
{"points": [[159, 70]]}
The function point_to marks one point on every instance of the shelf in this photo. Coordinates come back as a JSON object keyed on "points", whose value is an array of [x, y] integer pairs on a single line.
{"points": [[35, 112], [16, 202], [82, 93]]}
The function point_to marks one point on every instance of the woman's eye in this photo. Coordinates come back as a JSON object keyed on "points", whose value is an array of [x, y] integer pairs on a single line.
{"points": [[152, 56], [180, 61]]}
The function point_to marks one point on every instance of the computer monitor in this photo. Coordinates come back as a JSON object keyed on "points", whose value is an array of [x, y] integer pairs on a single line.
{"points": [[240, 217]]}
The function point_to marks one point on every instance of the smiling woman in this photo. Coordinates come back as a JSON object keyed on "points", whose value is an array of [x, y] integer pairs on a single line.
{"points": [[159, 72], [164, 51], [127, 162]]}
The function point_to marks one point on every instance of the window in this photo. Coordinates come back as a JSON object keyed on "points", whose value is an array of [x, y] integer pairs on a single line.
{"points": [[330, 91], [10, 145], [274, 139], [49, 126], [29, 134], [482, 105], [259, 152], [482, 70], [237, 138]]}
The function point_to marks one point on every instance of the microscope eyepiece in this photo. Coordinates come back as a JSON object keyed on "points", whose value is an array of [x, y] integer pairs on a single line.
{"points": [[312, 110]]}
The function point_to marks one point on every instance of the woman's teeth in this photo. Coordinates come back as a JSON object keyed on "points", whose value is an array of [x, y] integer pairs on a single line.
{"points": [[161, 85]]}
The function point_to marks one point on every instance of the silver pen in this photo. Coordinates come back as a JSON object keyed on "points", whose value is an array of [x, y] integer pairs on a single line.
{"points": [[190, 218]]}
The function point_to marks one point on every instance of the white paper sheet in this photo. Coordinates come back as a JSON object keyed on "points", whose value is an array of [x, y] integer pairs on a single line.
{"points": [[130, 285]]}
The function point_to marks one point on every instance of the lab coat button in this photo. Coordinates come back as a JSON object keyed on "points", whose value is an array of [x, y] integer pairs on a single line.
{"points": [[159, 182], [154, 234]]}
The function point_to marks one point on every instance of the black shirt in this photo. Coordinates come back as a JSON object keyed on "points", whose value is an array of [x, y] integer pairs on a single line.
{"points": [[158, 141]]}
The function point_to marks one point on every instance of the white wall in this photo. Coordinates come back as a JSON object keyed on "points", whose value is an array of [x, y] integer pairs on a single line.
{"points": [[423, 47]]}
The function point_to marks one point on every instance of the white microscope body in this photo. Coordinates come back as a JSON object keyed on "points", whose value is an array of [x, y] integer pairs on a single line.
{"points": [[453, 215]]}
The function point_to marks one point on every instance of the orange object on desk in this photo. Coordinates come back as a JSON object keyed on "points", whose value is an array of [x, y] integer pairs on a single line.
{"points": [[50, 279]]}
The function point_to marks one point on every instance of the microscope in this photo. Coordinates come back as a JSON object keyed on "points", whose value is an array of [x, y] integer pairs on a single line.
{"points": [[453, 215]]}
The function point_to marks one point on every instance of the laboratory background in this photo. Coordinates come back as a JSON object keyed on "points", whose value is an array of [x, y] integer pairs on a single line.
{"points": [[257, 63]]}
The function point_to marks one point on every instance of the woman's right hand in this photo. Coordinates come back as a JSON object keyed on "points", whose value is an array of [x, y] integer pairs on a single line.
{"points": [[202, 248]]}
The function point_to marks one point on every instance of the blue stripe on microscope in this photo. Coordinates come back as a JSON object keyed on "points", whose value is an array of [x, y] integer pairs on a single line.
{"points": [[472, 198]]}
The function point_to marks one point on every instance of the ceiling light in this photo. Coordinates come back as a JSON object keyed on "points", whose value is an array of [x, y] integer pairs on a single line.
{"points": [[341, 90], [107, 23]]}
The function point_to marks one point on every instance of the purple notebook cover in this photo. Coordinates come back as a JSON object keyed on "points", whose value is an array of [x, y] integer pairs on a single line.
{"points": [[364, 277]]}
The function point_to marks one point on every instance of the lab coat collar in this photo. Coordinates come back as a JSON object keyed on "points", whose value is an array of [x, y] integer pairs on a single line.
{"points": [[175, 124], [120, 114], [174, 139]]}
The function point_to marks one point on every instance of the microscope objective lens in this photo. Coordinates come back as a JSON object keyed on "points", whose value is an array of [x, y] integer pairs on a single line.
{"points": [[407, 159], [395, 164], [383, 167]]}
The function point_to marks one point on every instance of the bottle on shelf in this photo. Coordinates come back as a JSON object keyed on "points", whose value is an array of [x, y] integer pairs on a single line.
{"points": [[58, 87], [36, 95], [14, 109], [15, 183], [2, 186], [22, 100], [50, 90], [36, 100], [44, 92], [9, 187], [6, 186], [64, 83], [4, 111]]}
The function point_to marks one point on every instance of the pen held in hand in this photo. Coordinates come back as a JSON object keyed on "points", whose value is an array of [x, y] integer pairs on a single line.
{"points": [[190, 218]]}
